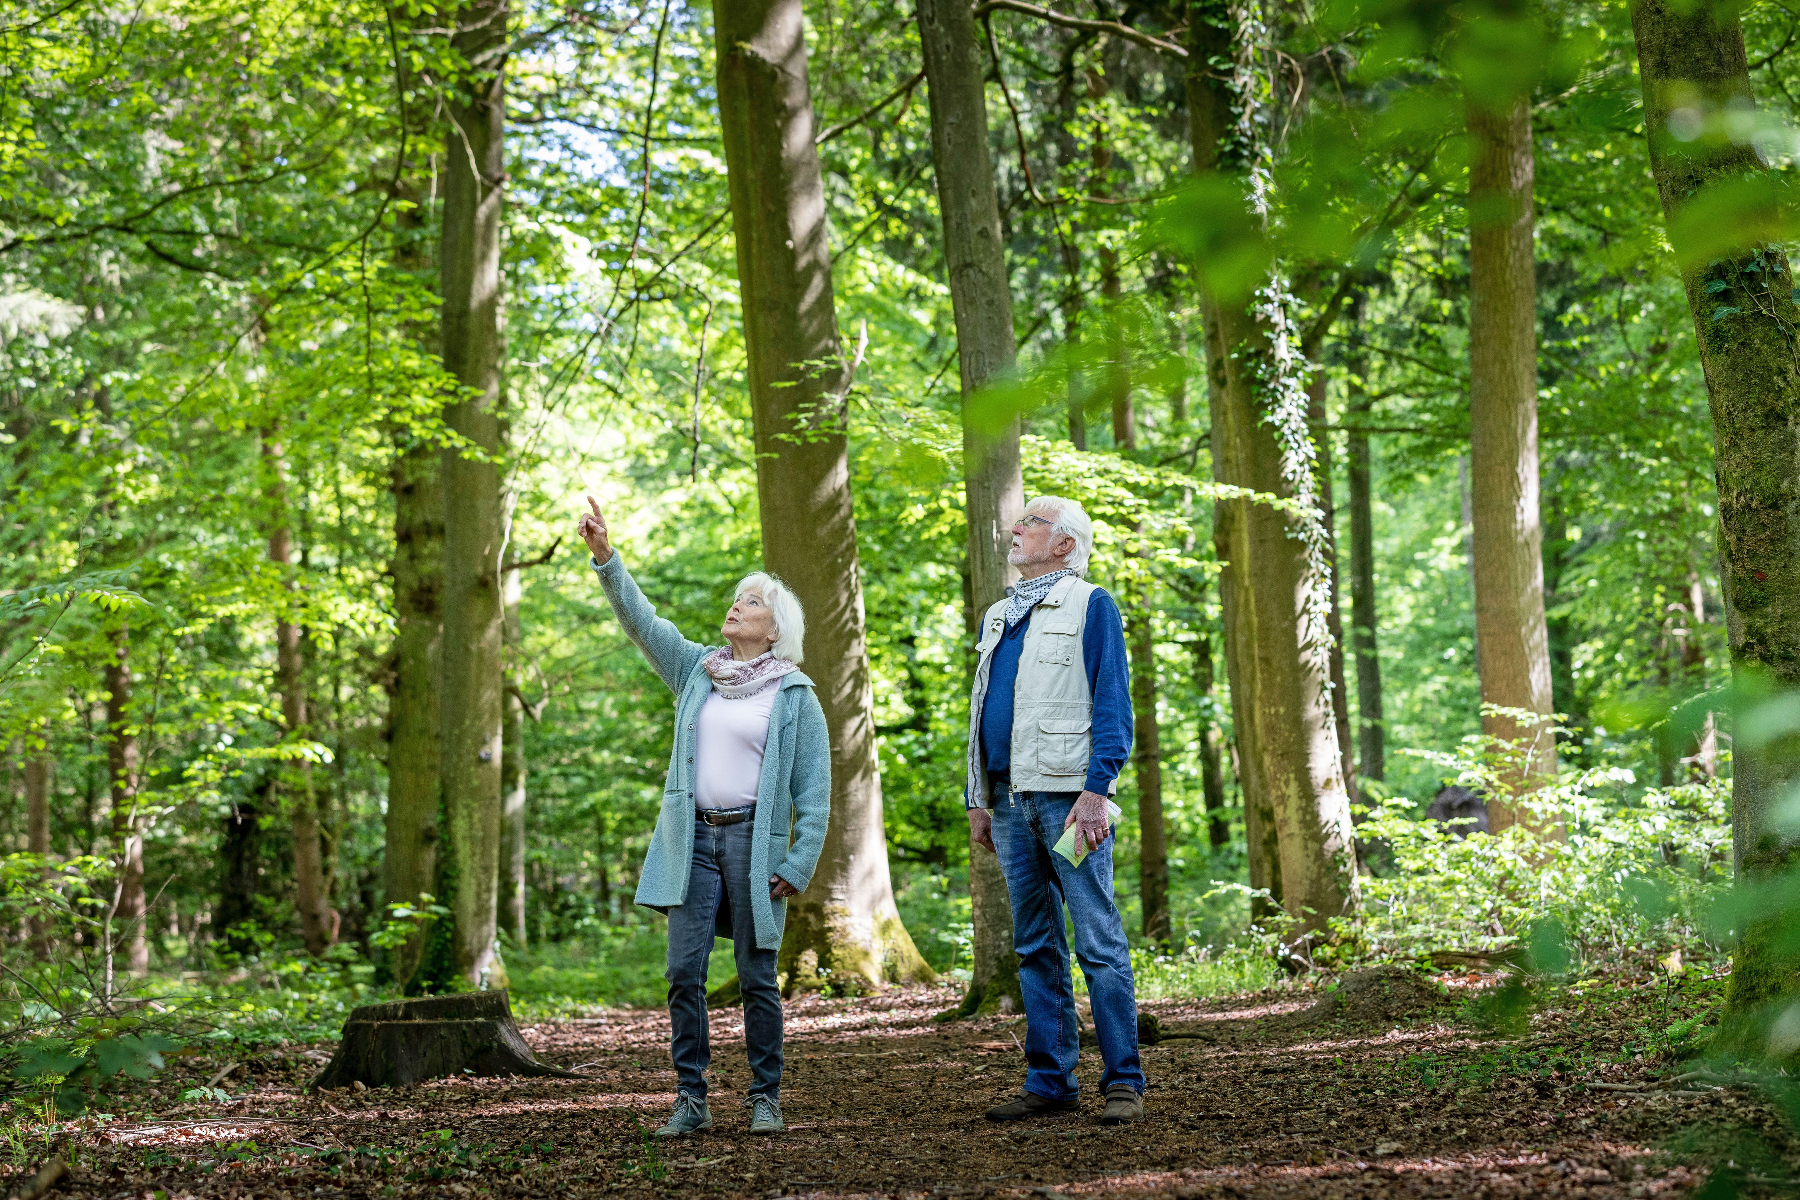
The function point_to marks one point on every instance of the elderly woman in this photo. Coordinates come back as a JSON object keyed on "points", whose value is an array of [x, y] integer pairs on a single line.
{"points": [[752, 762]]}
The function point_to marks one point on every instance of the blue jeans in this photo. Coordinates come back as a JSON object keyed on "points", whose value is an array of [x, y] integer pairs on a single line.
{"points": [[1040, 882], [721, 873]]}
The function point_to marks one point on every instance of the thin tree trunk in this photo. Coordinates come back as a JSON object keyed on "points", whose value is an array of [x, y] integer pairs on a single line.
{"points": [[127, 828], [318, 924], [1703, 754], [1212, 775], [1744, 318], [1071, 251], [470, 657], [1370, 728], [846, 921], [512, 769], [1146, 757], [40, 771], [993, 490], [1510, 630], [1282, 700]]}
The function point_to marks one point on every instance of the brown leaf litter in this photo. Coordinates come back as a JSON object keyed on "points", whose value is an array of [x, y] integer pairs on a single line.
{"points": [[1370, 1092]]}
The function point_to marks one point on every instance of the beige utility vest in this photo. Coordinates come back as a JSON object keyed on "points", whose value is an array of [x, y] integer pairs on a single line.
{"points": [[1053, 710]]}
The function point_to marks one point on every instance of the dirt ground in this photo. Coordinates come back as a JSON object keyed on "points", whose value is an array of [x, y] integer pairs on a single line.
{"points": [[1260, 1097]]}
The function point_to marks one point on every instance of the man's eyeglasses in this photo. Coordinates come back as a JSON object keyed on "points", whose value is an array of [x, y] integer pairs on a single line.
{"points": [[1028, 522]]}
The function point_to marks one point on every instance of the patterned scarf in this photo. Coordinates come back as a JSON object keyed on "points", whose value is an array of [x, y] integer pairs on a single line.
{"points": [[1027, 593], [734, 680]]}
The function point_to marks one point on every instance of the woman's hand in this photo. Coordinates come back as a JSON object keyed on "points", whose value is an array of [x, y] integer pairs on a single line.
{"points": [[592, 530], [781, 889]]}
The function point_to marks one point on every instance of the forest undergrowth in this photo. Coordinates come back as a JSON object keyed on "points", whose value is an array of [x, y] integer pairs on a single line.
{"points": [[1295, 1090], [1502, 1016]]}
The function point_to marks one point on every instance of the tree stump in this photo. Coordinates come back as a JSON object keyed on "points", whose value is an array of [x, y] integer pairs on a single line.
{"points": [[392, 1045]]}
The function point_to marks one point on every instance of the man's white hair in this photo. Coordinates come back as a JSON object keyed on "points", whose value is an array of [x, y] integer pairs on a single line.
{"points": [[784, 606], [1067, 519]]}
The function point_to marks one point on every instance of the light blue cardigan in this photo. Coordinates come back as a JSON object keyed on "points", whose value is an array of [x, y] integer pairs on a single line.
{"points": [[794, 791]]}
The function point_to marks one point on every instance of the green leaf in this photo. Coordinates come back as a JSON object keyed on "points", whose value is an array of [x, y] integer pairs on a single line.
{"points": [[136, 1055], [47, 1056]]}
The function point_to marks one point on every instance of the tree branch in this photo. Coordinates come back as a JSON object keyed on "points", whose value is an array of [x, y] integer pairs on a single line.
{"points": [[880, 104], [1067, 22], [519, 564]]}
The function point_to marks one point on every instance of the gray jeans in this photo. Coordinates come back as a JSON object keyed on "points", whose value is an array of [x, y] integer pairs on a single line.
{"points": [[721, 874]]}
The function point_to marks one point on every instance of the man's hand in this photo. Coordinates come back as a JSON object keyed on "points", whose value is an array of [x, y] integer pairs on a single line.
{"points": [[592, 530], [781, 889], [981, 829], [1089, 815]]}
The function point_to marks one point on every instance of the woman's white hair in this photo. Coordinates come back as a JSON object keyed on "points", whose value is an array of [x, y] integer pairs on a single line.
{"points": [[784, 606], [1067, 519]]}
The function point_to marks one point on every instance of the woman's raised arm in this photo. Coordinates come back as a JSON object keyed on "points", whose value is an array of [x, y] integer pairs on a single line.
{"points": [[671, 655]]}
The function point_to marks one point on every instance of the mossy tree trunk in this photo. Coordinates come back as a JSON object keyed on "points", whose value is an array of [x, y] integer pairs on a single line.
{"points": [[470, 658], [993, 489], [1289, 761], [1507, 539], [846, 922], [1691, 56], [412, 833], [407, 1041], [414, 779]]}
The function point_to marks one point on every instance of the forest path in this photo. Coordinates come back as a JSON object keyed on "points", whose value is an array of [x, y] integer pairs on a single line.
{"points": [[880, 1100]]}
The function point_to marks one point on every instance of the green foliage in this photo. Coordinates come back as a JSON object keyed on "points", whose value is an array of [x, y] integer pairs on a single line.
{"points": [[1200, 970], [1634, 879], [219, 227]]}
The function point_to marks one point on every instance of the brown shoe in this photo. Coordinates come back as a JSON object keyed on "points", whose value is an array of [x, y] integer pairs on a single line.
{"points": [[1124, 1104], [1029, 1104]]}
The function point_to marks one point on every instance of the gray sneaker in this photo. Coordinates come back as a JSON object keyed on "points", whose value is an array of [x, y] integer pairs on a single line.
{"points": [[691, 1116], [765, 1115]]}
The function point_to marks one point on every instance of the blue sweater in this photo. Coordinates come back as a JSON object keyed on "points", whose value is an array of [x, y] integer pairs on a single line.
{"points": [[1109, 683]]}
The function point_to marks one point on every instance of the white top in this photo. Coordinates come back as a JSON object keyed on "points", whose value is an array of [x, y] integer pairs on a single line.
{"points": [[731, 738]]}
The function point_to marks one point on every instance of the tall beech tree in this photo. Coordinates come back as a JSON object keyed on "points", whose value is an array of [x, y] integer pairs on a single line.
{"points": [[1507, 539], [798, 380], [1281, 699], [1691, 60], [993, 489], [415, 792], [414, 769], [471, 658]]}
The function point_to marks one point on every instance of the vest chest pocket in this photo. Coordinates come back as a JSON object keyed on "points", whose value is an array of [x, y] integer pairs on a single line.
{"points": [[1056, 647], [1066, 747]]}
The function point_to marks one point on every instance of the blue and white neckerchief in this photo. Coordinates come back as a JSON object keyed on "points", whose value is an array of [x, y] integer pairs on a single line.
{"points": [[1026, 594]]}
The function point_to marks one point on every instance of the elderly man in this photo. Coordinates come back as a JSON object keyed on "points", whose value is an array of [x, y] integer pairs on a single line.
{"points": [[1049, 729]]}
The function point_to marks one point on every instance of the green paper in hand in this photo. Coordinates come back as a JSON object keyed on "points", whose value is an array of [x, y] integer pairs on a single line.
{"points": [[1071, 845]]}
